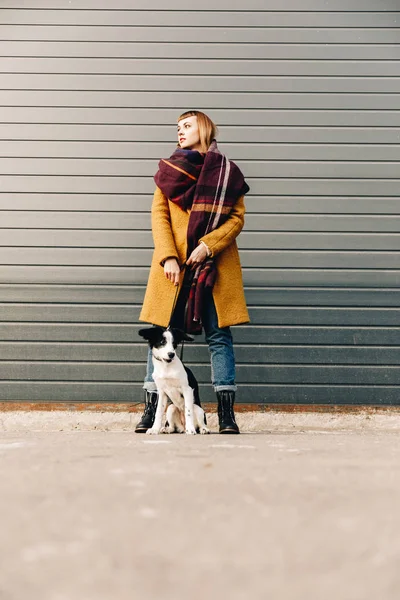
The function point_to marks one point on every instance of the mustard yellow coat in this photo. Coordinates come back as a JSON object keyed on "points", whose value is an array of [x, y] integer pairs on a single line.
{"points": [[169, 226]]}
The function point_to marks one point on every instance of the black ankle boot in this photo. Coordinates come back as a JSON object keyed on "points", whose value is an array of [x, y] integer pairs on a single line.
{"points": [[150, 407], [226, 416]]}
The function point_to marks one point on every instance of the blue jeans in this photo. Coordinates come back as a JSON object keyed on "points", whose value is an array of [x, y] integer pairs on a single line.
{"points": [[220, 345]]}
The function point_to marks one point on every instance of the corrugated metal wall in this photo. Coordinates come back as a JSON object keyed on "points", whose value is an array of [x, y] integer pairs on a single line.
{"points": [[307, 98]]}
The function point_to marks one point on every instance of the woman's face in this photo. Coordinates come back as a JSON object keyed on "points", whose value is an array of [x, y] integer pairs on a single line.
{"points": [[188, 134]]}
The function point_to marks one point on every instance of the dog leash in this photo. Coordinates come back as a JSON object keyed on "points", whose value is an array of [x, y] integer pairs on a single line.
{"points": [[182, 344], [173, 308], [175, 297]]}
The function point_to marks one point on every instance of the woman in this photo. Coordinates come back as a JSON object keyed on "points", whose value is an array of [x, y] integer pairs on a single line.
{"points": [[197, 213]]}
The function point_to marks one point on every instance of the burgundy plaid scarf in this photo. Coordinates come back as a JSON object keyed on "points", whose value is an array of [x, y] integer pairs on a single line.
{"points": [[209, 185]]}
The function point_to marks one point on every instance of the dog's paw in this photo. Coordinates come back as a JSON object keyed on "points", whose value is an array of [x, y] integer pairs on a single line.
{"points": [[190, 431], [167, 429], [153, 431], [204, 430]]}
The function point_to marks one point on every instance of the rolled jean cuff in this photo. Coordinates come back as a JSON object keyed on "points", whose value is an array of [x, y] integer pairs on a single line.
{"points": [[149, 386], [225, 388]]}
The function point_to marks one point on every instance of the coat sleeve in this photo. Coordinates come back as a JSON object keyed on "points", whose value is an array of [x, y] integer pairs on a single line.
{"points": [[164, 243], [223, 236]]}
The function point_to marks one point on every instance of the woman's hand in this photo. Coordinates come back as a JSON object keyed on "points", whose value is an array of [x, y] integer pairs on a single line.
{"points": [[172, 270], [198, 256]]}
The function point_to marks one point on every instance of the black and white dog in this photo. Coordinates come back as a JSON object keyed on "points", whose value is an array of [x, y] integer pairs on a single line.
{"points": [[174, 381]]}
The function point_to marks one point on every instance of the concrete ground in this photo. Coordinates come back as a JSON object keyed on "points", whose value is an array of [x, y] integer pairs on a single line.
{"points": [[289, 510]]}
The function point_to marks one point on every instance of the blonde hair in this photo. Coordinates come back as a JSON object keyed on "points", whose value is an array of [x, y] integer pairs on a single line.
{"points": [[207, 128]]}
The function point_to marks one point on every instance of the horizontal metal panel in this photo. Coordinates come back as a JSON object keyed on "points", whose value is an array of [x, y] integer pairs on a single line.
{"points": [[252, 169], [127, 116], [69, 332], [317, 187], [209, 19], [82, 167], [322, 204], [252, 277], [23, 351], [69, 313], [247, 334], [75, 219], [210, 50], [332, 297], [70, 371], [142, 203], [83, 392], [89, 352], [260, 296], [81, 202], [208, 100], [137, 257], [91, 257], [77, 275], [83, 238], [318, 277], [345, 316], [207, 5], [133, 393], [121, 372], [322, 394], [318, 241], [262, 33], [310, 355], [90, 313], [97, 294], [253, 148], [164, 84], [226, 66], [320, 259], [87, 238], [254, 222], [299, 222], [319, 374]]}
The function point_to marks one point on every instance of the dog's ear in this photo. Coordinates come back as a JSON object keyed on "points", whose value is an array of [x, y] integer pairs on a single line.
{"points": [[145, 333], [150, 333], [180, 335]]}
